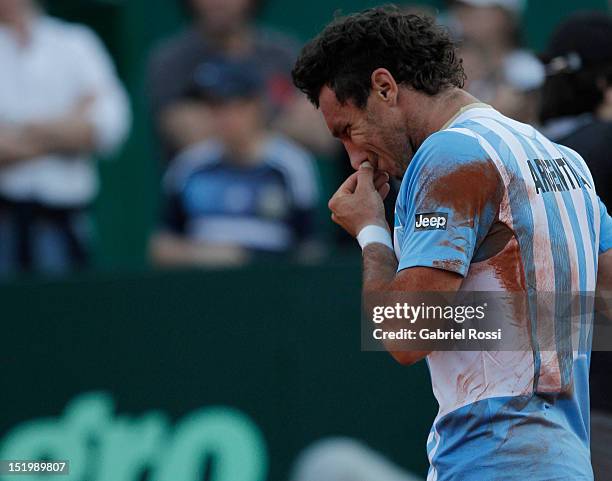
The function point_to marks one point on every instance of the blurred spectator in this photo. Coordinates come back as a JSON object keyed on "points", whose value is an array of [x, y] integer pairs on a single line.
{"points": [[498, 71], [60, 102], [577, 95], [243, 192], [518, 92], [225, 28], [577, 112]]}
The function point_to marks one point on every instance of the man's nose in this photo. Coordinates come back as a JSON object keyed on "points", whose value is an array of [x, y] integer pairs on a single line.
{"points": [[356, 155]]}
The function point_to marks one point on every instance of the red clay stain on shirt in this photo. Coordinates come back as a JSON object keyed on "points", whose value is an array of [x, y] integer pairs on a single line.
{"points": [[465, 188], [508, 267], [468, 384], [452, 265], [456, 247]]}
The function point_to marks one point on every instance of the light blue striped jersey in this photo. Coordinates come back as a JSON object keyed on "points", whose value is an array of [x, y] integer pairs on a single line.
{"points": [[521, 214]]}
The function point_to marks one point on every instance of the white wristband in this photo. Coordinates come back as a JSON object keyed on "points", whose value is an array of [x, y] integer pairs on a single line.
{"points": [[373, 233]]}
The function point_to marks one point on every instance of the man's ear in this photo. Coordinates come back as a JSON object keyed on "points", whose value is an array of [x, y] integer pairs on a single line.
{"points": [[384, 86]]}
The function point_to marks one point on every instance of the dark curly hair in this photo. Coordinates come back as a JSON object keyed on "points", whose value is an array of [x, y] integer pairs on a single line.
{"points": [[416, 51]]}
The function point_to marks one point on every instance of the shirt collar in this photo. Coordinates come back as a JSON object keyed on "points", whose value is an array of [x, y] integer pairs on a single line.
{"points": [[462, 110]]}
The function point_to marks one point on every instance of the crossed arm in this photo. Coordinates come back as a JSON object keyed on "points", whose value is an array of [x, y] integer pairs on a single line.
{"points": [[70, 134]]}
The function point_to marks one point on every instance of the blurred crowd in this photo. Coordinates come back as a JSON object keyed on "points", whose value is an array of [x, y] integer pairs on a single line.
{"points": [[239, 146]]}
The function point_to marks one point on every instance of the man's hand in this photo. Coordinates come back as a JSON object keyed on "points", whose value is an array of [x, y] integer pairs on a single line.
{"points": [[359, 200], [171, 250], [70, 134], [14, 146]]}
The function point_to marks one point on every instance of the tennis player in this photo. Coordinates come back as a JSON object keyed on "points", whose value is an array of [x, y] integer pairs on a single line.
{"points": [[486, 203]]}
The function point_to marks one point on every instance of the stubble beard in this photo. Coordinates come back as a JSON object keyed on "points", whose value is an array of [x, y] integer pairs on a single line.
{"points": [[401, 150], [397, 143]]}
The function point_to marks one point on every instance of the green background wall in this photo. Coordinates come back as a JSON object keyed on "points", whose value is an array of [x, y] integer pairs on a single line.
{"points": [[281, 344]]}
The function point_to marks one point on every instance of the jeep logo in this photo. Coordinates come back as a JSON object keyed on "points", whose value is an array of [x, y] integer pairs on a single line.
{"points": [[431, 221]]}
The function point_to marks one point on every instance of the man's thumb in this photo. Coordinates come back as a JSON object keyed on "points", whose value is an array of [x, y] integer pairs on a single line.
{"points": [[365, 176]]}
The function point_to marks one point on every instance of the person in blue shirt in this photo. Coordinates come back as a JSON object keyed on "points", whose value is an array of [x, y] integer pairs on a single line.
{"points": [[486, 204], [244, 193]]}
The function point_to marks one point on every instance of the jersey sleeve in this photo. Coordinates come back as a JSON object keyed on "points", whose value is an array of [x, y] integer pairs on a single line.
{"points": [[451, 199], [605, 229]]}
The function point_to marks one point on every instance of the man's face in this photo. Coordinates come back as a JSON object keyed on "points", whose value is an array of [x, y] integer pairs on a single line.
{"points": [[220, 15], [376, 133], [237, 121], [485, 26]]}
